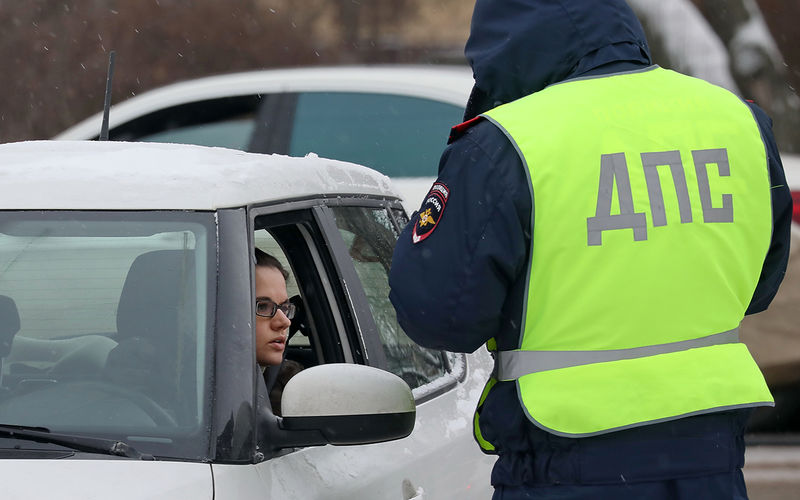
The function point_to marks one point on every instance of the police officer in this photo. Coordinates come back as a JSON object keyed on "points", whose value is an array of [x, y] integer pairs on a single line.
{"points": [[602, 225]]}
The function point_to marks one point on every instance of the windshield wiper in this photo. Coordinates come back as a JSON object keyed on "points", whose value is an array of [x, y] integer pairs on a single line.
{"points": [[74, 442]]}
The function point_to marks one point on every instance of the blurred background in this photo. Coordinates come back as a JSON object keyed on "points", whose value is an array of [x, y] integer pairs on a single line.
{"points": [[54, 56], [54, 53]]}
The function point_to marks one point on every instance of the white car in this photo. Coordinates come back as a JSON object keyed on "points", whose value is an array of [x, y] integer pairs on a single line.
{"points": [[791, 165], [127, 333], [395, 119]]}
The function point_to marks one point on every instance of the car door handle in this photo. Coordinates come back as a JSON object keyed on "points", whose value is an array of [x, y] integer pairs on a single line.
{"points": [[410, 492]]}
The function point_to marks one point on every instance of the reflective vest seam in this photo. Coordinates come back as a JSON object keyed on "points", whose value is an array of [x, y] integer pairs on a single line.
{"points": [[511, 365], [606, 75], [529, 264], [769, 175]]}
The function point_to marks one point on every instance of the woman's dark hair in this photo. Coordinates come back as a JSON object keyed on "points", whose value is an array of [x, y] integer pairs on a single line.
{"points": [[266, 260]]}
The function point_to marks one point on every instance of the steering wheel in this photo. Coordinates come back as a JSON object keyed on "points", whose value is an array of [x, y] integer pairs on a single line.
{"points": [[160, 416], [71, 393]]}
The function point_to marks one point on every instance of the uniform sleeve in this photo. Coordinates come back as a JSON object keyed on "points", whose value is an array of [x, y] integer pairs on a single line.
{"points": [[449, 288], [778, 255]]}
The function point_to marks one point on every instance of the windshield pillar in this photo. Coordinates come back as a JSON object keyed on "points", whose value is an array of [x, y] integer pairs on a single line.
{"points": [[235, 370]]}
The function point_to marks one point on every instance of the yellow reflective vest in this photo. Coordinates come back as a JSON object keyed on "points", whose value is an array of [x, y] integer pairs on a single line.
{"points": [[650, 224]]}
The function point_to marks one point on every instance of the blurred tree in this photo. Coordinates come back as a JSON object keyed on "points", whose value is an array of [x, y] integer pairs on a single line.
{"points": [[781, 17], [756, 60], [54, 53], [363, 28], [681, 39]]}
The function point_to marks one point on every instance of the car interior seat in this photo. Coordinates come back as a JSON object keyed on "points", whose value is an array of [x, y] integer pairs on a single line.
{"points": [[156, 329], [9, 326]]}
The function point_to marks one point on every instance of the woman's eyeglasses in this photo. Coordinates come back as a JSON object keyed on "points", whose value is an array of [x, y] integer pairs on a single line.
{"points": [[267, 308]]}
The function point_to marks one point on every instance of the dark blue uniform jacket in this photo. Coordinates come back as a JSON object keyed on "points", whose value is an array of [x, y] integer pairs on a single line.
{"points": [[464, 282]]}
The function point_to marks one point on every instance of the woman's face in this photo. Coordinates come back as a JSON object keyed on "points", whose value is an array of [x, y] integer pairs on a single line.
{"points": [[271, 333]]}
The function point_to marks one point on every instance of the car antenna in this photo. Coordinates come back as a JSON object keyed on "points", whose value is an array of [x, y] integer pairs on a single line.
{"points": [[107, 103]]}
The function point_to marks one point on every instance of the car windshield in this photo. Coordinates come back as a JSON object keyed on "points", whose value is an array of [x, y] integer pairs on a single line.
{"points": [[104, 321]]}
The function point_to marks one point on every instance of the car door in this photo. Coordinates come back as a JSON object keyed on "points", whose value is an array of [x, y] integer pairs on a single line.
{"points": [[446, 462], [339, 252]]}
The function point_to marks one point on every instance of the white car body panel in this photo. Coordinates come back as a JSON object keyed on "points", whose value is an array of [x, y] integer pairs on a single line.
{"points": [[412, 190], [451, 84], [429, 462], [791, 165], [100, 479], [448, 84]]}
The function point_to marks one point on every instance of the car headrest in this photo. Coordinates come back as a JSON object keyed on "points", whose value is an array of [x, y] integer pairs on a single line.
{"points": [[9, 324], [159, 291]]}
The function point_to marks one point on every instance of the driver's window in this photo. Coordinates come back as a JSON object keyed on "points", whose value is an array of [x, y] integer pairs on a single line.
{"points": [[267, 243], [370, 235], [283, 347]]}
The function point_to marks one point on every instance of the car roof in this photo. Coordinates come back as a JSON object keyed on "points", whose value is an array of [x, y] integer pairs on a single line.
{"points": [[94, 175], [451, 84]]}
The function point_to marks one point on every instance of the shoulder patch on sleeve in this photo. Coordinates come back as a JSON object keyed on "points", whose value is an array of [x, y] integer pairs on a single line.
{"points": [[431, 212], [461, 128]]}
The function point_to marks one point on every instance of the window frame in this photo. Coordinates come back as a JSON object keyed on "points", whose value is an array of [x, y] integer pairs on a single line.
{"points": [[298, 227], [361, 331], [192, 113], [177, 447]]}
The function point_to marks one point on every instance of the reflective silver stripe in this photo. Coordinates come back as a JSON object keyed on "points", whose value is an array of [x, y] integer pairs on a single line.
{"points": [[511, 365]]}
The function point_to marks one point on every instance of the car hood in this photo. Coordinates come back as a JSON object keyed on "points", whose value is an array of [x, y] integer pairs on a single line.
{"points": [[98, 479]]}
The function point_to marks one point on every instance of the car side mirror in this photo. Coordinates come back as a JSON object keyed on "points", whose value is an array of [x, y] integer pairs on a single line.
{"points": [[345, 404]]}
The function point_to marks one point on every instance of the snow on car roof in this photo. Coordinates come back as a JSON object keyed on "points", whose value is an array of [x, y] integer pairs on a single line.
{"points": [[92, 175]]}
